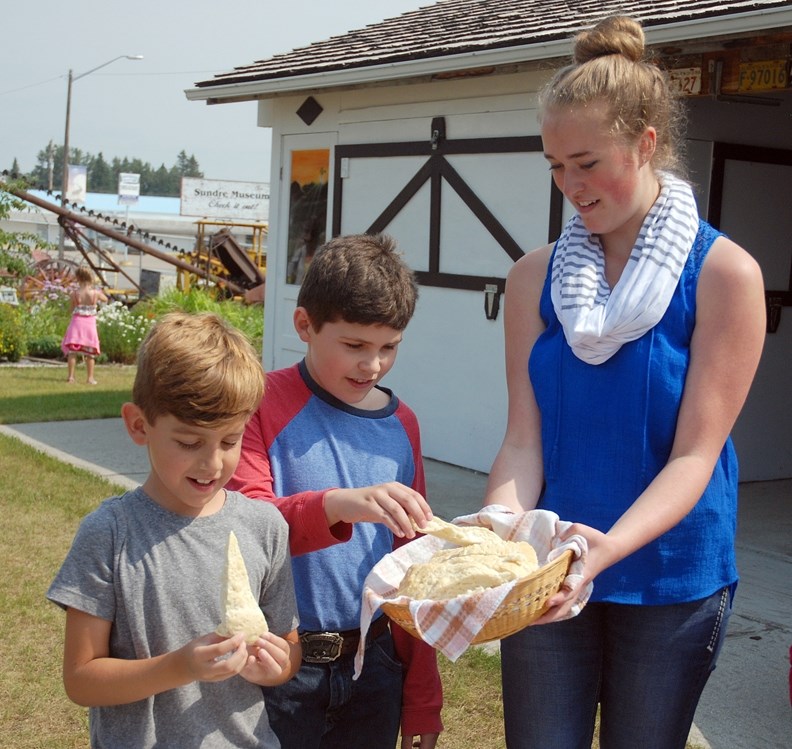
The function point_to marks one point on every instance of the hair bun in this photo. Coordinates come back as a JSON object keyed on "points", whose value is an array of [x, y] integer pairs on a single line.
{"points": [[616, 35]]}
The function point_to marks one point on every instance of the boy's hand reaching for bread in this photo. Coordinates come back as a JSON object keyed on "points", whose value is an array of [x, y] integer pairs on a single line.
{"points": [[393, 504]]}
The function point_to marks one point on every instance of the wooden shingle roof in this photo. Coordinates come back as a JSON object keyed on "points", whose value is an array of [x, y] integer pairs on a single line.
{"points": [[458, 27]]}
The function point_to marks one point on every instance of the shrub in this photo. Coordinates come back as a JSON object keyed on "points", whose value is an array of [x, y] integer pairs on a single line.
{"points": [[47, 346], [247, 318], [48, 315], [12, 333], [121, 331]]}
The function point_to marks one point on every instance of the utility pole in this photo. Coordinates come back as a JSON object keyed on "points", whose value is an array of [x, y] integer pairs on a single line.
{"points": [[65, 180], [65, 176]]}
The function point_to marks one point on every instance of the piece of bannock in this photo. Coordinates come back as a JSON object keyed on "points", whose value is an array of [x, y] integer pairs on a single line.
{"points": [[241, 612], [468, 569], [461, 535]]}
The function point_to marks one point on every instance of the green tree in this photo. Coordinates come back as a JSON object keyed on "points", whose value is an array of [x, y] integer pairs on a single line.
{"points": [[15, 255], [100, 176], [193, 170], [43, 173], [182, 162], [103, 175], [187, 166], [48, 171], [160, 181]]}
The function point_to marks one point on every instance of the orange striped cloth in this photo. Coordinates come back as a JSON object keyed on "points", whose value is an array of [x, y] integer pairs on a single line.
{"points": [[451, 625]]}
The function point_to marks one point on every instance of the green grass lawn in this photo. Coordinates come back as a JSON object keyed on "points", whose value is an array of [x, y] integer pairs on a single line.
{"points": [[42, 502], [33, 394]]}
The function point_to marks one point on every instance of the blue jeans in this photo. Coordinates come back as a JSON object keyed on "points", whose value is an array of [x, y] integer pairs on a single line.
{"points": [[322, 708], [645, 665]]}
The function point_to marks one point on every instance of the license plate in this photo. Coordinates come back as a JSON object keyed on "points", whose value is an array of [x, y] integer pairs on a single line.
{"points": [[685, 81], [763, 76]]}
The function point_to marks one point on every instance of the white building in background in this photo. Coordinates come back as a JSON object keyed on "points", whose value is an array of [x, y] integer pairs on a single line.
{"points": [[424, 126]]}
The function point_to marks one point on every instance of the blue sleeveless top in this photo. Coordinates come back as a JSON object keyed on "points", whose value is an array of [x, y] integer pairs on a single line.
{"points": [[607, 431]]}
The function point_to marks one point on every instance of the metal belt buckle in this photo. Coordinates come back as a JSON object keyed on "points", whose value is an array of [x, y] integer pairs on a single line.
{"points": [[321, 647]]}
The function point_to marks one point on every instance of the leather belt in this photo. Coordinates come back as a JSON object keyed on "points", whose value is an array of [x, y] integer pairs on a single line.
{"points": [[326, 647]]}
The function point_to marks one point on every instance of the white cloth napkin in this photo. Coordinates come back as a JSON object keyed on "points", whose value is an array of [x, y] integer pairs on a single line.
{"points": [[450, 626]]}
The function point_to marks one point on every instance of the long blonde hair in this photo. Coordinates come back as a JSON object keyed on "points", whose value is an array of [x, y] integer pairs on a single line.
{"points": [[610, 65]]}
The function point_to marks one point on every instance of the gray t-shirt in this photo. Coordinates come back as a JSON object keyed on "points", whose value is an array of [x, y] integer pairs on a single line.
{"points": [[157, 576]]}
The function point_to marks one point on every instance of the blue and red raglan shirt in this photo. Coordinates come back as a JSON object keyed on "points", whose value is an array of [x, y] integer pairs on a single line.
{"points": [[302, 442]]}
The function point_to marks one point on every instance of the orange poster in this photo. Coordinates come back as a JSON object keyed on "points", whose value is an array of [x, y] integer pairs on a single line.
{"points": [[307, 209]]}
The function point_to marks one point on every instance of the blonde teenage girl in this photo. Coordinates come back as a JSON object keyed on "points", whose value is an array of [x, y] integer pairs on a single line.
{"points": [[630, 348]]}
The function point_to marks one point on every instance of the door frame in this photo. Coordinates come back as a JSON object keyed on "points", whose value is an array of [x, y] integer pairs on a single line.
{"points": [[721, 153]]}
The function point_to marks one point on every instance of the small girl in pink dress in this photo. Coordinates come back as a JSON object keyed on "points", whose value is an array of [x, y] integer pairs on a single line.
{"points": [[81, 336]]}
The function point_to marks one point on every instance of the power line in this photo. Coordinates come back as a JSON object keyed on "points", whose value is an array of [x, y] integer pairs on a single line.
{"points": [[30, 85]]}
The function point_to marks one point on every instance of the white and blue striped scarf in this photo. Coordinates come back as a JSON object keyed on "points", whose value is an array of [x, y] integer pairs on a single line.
{"points": [[598, 320]]}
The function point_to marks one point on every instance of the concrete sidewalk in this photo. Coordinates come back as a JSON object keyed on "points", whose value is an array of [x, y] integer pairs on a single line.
{"points": [[746, 702]]}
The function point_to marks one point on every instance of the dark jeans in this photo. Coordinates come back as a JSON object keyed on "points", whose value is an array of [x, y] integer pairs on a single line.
{"points": [[645, 665], [322, 708]]}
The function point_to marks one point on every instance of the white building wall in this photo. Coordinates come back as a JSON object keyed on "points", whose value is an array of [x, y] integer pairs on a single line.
{"points": [[450, 367]]}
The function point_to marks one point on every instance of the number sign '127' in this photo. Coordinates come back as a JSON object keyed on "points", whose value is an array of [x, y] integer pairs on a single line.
{"points": [[685, 81]]}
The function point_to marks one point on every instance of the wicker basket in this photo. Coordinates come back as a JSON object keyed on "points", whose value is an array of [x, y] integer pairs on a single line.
{"points": [[524, 604]]}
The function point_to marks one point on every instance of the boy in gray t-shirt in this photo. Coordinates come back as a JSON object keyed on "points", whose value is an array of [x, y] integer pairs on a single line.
{"points": [[142, 583]]}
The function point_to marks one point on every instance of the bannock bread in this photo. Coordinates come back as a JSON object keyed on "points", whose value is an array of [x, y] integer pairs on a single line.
{"points": [[241, 612], [481, 560]]}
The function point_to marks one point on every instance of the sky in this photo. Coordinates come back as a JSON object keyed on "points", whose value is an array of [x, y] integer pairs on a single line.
{"points": [[137, 108]]}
